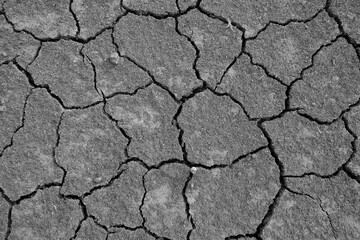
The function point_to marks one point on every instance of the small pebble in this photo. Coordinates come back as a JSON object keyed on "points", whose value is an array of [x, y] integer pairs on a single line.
{"points": [[97, 180], [114, 58], [193, 170]]}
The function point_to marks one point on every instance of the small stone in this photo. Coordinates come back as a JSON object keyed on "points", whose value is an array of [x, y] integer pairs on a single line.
{"points": [[193, 170], [97, 180], [114, 58]]}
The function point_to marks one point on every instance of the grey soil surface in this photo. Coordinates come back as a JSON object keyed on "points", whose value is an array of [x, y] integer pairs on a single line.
{"points": [[180, 120]]}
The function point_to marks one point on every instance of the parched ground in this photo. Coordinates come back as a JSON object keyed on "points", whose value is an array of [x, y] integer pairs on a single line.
{"points": [[179, 119]]}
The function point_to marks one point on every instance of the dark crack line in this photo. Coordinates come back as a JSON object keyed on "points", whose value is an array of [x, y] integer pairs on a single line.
{"points": [[129, 93], [181, 133], [328, 217], [302, 73], [219, 17], [228, 67], [287, 22], [344, 34], [269, 213], [57, 143], [50, 92], [121, 130], [195, 47], [266, 71], [75, 18], [93, 67], [10, 144], [343, 167], [83, 210], [66, 38], [108, 184], [142, 214], [275, 203], [9, 223], [159, 16], [154, 81], [187, 206]]}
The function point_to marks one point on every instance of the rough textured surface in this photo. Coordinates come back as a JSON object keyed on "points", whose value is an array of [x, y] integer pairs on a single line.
{"points": [[261, 95], [153, 6], [45, 216], [331, 85], [253, 15], [147, 118], [114, 73], [123, 234], [155, 45], [298, 217], [69, 75], [233, 200], [179, 119], [90, 231], [217, 44], [90, 149], [4, 211], [216, 130], [93, 16], [119, 202], [295, 44], [16, 45], [353, 118], [44, 19], [164, 206], [304, 146], [339, 198], [14, 90], [29, 162], [349, 13]]}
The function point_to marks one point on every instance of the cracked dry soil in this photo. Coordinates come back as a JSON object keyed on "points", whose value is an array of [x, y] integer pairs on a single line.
{"points": [[179, 119]]}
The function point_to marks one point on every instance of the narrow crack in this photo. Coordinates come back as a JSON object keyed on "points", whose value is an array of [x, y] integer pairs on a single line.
{"points": [[108, 184], [228, 67], [260, 228], [50, 92], [266, 71], [121, 130], [344, 34], [329, 218], [275, 203], [75, 38], [341, 167], [10, 144], [58, 136], [195, 47], [75, 19], [83, 210], [221, 18], [187, 206], [159, 16], [154, 81], [9, 223], [287, 22], [93, 67]]}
